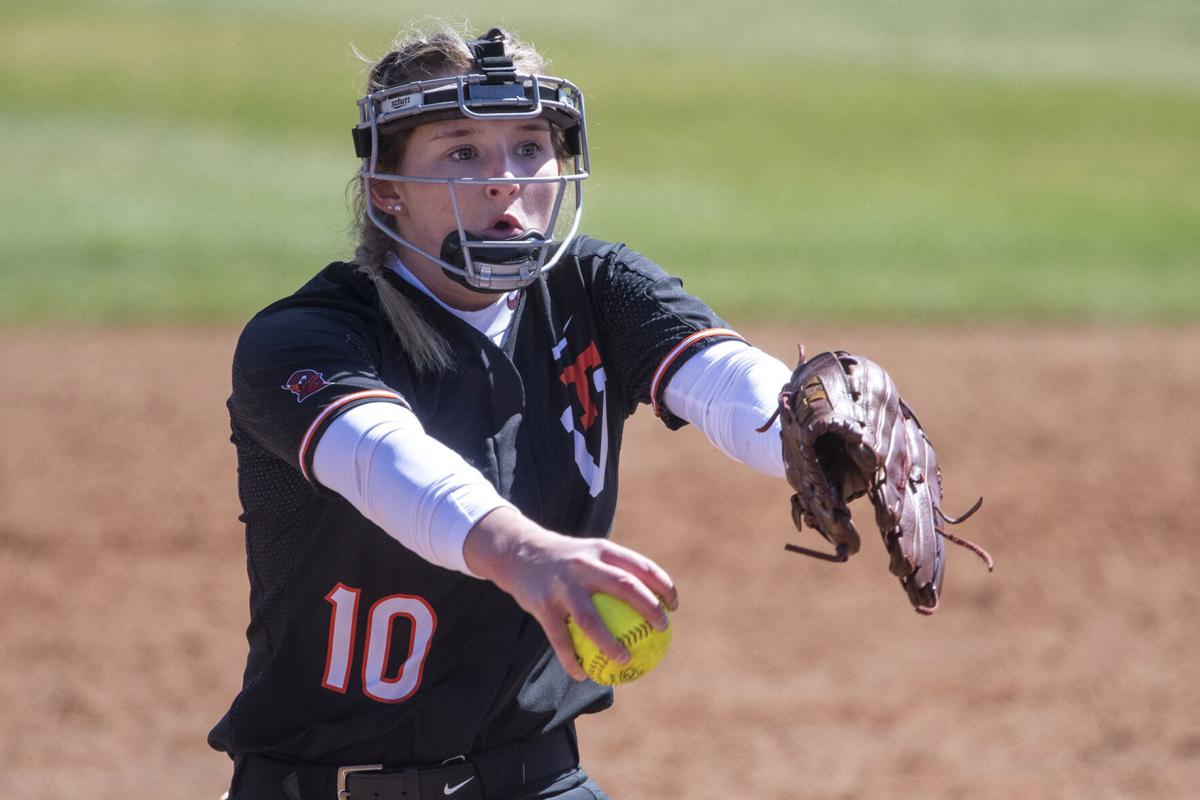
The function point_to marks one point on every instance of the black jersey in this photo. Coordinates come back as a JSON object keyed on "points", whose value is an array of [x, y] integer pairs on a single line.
{"points": [[361, 651]]}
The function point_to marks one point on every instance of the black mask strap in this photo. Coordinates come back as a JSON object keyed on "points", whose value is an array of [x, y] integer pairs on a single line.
{"points": [[512, 257], [490, 59]]}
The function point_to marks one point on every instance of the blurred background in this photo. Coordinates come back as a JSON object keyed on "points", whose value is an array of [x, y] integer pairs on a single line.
{"points": [[999, 201], [947, 159]]}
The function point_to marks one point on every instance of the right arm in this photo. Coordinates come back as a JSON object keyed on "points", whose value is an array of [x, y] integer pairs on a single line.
{"points": [[553, 576], [423, 494]]}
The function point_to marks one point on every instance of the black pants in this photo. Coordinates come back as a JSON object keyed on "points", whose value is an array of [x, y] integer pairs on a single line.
{"points": [[575, 785], [544, 769]]}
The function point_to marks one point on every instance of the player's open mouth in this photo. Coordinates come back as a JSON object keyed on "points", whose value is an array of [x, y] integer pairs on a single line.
{"points": [[503, 227]]}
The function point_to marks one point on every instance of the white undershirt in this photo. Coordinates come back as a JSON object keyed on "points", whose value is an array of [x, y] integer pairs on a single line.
{"points": [[424, 495], [492, 321]]}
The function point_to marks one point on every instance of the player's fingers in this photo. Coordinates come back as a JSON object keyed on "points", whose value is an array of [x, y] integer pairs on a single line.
{"points": [[648, 572], [584, 614], [627, 586], [560, 640]]}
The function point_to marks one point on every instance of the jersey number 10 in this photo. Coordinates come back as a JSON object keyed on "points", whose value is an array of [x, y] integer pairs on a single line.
{"points": [[377, 683]]}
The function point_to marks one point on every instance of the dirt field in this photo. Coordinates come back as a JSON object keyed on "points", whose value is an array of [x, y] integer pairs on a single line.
{"points": [[1071, 672]]}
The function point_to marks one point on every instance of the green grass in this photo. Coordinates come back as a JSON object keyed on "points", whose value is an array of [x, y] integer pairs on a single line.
{"points": [[836, 160]]}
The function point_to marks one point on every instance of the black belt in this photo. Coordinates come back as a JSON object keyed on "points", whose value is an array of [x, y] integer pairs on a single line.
{"points": [[498, 772]]}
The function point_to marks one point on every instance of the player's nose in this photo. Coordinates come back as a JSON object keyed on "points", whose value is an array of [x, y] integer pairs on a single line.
{"points": [[503, 186], [503, 179]]}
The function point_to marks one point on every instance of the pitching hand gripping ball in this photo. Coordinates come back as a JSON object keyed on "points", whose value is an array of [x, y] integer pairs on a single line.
{"points": [[646, 646]]}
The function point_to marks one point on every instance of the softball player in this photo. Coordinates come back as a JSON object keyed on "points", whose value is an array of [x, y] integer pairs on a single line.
{"points": [[428, 441]]}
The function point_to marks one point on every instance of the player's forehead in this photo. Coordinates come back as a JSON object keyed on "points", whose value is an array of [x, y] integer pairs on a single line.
{"points": [[450, 130]]}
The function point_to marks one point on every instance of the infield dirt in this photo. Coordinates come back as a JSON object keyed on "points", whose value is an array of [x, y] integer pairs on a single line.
{"points": [[1070, 672]]}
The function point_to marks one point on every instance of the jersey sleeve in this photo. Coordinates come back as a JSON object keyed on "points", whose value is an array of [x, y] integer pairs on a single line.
{"points": [[650, 326], [294, 371]]}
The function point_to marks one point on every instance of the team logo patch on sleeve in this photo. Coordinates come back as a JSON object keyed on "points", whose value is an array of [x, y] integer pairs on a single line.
{"points": [[305, 382]]}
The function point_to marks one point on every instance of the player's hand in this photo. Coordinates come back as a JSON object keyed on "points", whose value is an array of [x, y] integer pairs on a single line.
{"points": [[553, 577]]}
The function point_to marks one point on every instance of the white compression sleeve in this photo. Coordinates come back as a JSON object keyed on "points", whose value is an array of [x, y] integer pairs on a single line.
{"points": [[727, 390], [422, 493]]}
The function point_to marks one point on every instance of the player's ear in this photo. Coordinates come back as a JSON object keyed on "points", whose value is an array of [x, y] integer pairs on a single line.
{"points": [[387, 196]]}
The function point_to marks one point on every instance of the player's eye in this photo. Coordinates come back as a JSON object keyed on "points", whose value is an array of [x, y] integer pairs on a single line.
{"points": [[528, 149], [462, 154]]}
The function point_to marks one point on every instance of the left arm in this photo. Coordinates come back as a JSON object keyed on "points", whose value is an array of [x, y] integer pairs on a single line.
{"points": [[728, 390]]}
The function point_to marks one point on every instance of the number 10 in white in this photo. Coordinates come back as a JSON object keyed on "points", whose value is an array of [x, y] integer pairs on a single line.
{"points": [[381, 622]]}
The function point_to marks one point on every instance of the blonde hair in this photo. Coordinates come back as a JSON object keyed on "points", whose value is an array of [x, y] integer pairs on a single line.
{"points": [[414, 56]]}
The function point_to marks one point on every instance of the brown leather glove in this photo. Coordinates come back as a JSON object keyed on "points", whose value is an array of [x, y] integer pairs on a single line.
{"points": [[845, 433]]}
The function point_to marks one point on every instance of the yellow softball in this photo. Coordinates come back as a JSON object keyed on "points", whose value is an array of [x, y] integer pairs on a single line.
{"points": [[646, 646]]}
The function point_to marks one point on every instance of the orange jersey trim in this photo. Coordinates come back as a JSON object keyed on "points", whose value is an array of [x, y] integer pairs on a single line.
{"points": [[679, 350], [306, 442]]}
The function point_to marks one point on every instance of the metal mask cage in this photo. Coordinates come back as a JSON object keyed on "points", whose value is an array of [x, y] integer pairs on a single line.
{"points": [[398, 108]]}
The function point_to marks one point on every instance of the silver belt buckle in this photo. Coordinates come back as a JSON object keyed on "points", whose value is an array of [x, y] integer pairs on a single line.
{"points": [[343, 772]]}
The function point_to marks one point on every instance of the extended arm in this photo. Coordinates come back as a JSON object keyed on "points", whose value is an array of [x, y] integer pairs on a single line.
{"points": [[728, 390]]}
